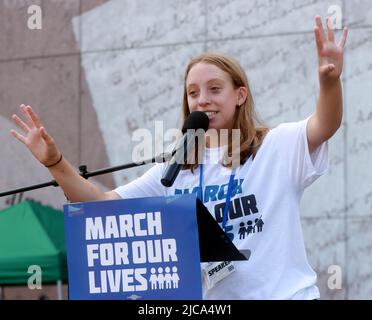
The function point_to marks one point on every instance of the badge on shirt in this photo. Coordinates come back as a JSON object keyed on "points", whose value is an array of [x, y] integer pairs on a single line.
{"points": [[214, 272]]}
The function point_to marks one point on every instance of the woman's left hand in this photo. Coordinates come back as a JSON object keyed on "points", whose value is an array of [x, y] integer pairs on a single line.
{"points": [[330, 54]]}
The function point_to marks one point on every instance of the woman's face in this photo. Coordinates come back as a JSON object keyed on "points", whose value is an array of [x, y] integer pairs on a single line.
{"points": [[210, 89]]}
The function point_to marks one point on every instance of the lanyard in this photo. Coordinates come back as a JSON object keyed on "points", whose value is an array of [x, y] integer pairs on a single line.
{"points": [[228, 195]]}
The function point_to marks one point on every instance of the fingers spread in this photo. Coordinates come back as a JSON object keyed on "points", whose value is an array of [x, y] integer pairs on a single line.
{"points": [[342, 42], [318, 40], [331, 35], [18, 136], [20, 123], [45, 135], [318, 23], [34, 117], [25, 110]]}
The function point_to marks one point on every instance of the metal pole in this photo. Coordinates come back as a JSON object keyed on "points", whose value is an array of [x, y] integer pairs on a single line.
{"points": [[59, 290]]}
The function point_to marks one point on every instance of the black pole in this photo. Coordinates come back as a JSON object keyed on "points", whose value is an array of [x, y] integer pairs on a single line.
{"points": [[86, 174]]}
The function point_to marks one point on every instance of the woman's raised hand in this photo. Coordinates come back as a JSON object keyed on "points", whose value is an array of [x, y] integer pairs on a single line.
{"points": [[35, 137], [330, 54]]}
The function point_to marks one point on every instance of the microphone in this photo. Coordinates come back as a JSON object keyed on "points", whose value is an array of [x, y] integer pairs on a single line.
{"points": [[196, 120]]}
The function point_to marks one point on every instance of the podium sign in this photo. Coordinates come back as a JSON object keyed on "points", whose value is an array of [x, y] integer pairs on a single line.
{"points": [[143, 248]]}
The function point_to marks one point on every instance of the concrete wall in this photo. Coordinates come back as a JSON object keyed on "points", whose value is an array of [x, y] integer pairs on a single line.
{"points": [[98, 70]]}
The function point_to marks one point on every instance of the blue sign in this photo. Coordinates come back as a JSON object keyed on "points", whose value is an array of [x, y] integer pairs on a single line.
{"points": [[143, 248]]}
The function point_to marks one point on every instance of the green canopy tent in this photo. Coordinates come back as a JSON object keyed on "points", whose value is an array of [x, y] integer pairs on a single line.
{"points": [[32, 235]]}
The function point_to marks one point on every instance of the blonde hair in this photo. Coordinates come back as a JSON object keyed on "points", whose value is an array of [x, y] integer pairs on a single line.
{"points": [[245, 118]]}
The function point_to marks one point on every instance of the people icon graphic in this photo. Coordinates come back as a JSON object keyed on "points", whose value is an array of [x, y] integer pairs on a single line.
{"points": [[259, 223], [168, 278], [245, 231], [160, 279], [153, 279], [250, 228], [175, 277], [164, 281], [242, 230]]}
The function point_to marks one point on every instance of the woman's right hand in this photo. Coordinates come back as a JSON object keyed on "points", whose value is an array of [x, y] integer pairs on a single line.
{"points": [[36, 139]]}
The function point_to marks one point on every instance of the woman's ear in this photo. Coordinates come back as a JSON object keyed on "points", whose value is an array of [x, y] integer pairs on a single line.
{"points": [[241, 95]]}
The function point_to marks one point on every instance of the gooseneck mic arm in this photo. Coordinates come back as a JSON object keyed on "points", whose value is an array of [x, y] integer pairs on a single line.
{"points": [[86, 174]]}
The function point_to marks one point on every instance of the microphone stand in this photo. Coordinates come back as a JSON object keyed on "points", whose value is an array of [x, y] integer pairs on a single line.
{"points": [[86, 174]]}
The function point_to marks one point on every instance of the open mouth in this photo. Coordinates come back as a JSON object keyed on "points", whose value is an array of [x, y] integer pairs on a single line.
{"points": [[211, 114]]}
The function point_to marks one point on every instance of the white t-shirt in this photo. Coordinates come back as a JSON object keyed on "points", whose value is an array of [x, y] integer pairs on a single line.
{"points": [[264, 212]]}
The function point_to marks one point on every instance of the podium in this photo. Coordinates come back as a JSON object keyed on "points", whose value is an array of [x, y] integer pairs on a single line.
{"points": [[143, 248]]}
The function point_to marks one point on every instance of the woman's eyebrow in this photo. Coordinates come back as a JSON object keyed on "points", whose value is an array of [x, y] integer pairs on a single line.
{"points": [[189, 86], [209, 81], [215, 80]]}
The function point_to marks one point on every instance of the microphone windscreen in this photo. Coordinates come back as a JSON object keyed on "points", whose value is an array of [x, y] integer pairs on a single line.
{"points": [[196, 120]]}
